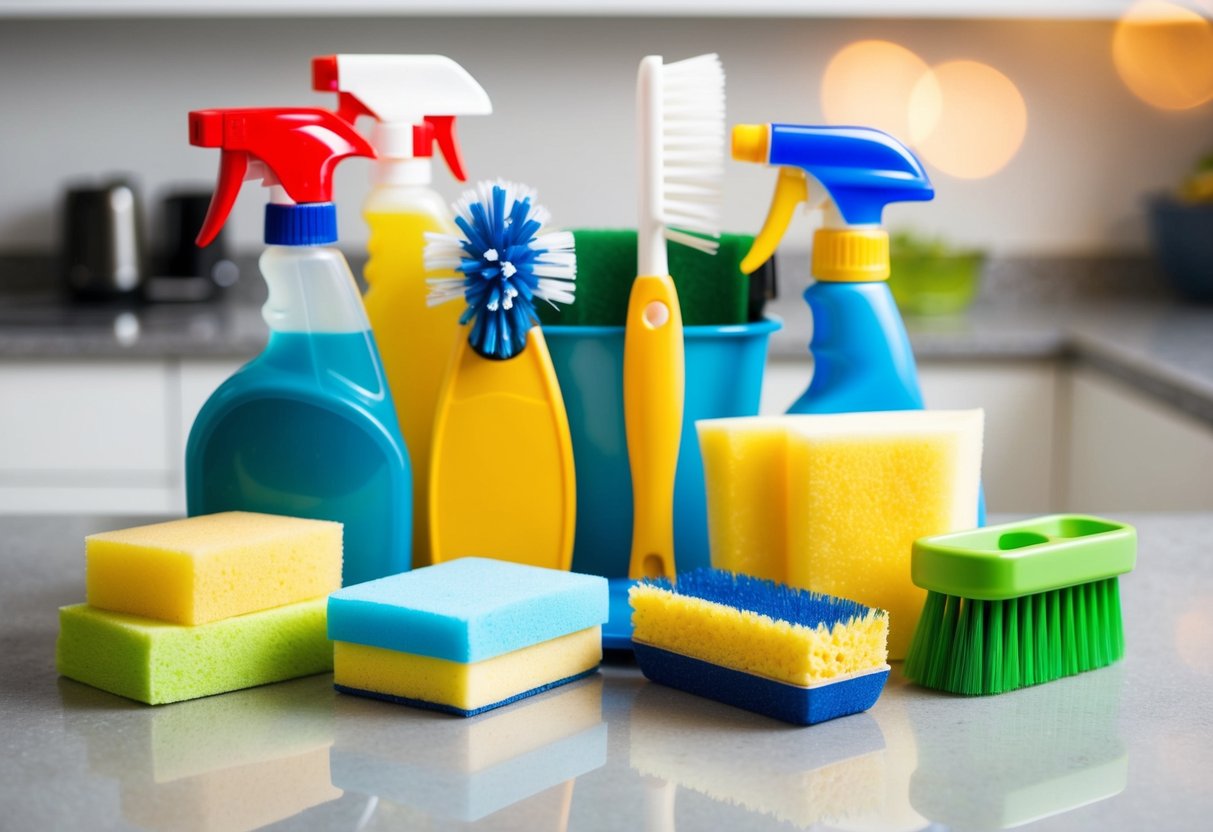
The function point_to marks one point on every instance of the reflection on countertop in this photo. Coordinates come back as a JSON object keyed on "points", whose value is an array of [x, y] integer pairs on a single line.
{"points": [[1125, 747], [236, 762]]}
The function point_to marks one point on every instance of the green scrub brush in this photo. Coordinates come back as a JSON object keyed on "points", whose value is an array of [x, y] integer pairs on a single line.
{"points": [[1019, 604]]}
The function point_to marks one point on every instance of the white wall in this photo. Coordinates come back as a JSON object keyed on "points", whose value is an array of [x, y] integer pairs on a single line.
{"points": [[80, 98]]}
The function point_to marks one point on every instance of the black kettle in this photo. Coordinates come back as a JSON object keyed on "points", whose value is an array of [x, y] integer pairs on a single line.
{"points": [[104, 250]]}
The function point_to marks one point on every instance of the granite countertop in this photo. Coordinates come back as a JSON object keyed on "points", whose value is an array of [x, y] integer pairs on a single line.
{"points": [[1126, 747], [1148, 339]]}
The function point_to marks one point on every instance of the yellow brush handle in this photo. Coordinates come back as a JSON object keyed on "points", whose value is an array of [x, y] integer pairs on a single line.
{"points": [[501, 477], [653, 388]]}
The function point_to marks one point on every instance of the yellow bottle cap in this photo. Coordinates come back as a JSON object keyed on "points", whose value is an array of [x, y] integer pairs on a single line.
{"points": [[750, 142], [851, 255]]}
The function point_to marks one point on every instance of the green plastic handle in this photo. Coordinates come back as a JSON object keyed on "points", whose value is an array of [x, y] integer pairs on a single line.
{"points": [[1016, 559]]}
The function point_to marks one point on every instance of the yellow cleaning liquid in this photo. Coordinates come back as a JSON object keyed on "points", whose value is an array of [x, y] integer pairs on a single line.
{"points": [[415, 341]]}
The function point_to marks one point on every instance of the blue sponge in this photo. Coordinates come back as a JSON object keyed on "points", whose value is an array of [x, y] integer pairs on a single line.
{"points": [[467, 610]]}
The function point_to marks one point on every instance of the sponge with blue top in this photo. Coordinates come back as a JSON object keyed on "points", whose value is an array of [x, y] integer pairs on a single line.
{"points": [[795, 655], [467, 635]]}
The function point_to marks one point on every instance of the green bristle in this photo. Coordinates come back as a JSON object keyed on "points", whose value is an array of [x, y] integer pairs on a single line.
{"points": [[711, 288], [981, 647]]}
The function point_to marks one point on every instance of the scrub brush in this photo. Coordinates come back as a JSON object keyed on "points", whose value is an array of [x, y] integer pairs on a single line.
{"points": [[1019, 604], [681, 137], [505, 265], [500, 391], [799, 656]]}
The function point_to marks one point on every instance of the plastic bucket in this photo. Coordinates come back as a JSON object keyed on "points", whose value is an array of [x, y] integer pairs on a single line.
{"points": [[724, 368]]}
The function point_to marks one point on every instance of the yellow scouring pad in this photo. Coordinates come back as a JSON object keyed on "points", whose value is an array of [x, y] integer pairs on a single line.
{"points": [[794, 655], [207, 568], [841, 500]]}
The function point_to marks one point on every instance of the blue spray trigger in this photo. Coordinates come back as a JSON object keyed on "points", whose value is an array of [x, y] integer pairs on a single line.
{"points": [[863, 169]]}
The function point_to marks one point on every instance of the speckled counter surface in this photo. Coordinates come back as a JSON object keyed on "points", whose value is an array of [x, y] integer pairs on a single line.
{"points": [[1162, 347], [1127, 747]]}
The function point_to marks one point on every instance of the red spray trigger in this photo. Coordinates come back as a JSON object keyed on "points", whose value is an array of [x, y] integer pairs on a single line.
{"points": [[301, 147], [444, 137]]}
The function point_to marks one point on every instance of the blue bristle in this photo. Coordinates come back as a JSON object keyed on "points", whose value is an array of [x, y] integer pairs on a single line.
{"points": [[780, 602], [506, 264]]}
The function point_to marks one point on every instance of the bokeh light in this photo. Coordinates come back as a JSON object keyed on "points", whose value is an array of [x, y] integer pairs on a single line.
{"points": [[967, 119], [1164, 54], [869, 83]]}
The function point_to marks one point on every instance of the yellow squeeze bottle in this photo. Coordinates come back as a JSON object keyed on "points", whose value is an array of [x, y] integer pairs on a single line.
{"points": [[414, 100]]}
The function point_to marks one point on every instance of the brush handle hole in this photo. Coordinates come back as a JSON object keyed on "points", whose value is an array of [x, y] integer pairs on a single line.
{"points": [[653, 566], [656, 314], [1018, 540]]}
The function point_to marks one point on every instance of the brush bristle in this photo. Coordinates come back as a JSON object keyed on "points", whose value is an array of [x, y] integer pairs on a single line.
{"points": [[693, 143], [505, 262], [790, 635], [774, 600], [982, 647]]}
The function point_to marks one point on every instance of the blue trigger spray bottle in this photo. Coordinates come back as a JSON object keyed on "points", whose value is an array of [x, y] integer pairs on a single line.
{"points": [[861, 353], [308, 428]]}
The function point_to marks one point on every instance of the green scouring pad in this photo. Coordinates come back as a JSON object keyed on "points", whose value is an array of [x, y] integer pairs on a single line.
{"points": [[712, 291], [157, 662]]}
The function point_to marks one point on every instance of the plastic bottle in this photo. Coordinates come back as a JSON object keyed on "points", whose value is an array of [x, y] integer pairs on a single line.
{"points": [[861, 355], [862, 360], [307, 428], [414, 100]]}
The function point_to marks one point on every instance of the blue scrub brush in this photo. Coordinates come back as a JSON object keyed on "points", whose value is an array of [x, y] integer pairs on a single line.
{"points": [[500, 402], [506, 264], [788, 653]]}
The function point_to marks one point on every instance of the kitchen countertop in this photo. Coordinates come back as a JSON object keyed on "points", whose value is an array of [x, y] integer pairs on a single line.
{"points": [[1147, 339], [1126, 747]]}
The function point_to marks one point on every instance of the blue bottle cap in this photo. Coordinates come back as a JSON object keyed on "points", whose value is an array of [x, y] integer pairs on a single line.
{"points": [[308, 224]]}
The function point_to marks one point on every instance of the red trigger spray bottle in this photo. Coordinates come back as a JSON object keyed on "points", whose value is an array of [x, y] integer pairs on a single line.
{"points": [[308, 428]]}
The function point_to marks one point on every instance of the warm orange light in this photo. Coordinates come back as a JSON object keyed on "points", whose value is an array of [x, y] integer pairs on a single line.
{"points": [[868, 83], [967, 119], [1194, 637], [1164, 54]]}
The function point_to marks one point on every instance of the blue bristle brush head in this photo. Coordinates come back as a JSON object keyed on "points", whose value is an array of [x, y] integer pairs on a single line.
{"points": [[506, 265], [719, 653]]}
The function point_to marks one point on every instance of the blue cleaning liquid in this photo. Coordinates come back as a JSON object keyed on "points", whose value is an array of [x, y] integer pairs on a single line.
{"points": [[308, 429], [862, 359]]}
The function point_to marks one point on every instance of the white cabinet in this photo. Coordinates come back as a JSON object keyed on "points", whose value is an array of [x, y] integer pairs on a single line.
{"points": [[1020, 400], [1127, 452], [79, 435], [104, 436], [108, 436]]}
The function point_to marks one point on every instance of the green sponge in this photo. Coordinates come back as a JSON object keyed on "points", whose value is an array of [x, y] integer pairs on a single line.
{"points": [[711, 288], [156, 662]]}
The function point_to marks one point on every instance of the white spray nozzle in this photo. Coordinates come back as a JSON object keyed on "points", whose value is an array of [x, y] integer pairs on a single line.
{"points": [[399, 91]]}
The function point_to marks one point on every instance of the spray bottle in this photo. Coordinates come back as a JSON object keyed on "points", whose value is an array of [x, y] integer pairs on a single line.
{"points": [[861, 354], [307, 428], [414, 100], [862, 359]]}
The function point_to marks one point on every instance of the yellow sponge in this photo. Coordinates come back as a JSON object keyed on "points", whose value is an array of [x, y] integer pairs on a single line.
{"points": [[841, 500], [212, 567], [754, 642], [465, 687]]}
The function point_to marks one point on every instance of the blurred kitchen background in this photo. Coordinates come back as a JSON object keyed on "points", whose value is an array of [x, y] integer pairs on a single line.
{"points": [[1048, 129]]}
